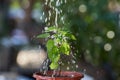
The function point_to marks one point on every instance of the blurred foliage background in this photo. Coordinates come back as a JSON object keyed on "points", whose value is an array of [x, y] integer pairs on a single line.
{"points": [[95, 23]]}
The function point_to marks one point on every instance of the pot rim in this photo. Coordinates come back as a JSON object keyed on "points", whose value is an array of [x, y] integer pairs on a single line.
{"points": [[68, 74]]}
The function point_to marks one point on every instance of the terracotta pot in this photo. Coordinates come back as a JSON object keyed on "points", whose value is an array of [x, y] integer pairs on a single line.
{"points": [[65, 75]]}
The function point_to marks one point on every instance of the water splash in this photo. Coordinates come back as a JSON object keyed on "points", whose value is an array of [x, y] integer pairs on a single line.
{"points": [[45, 66], [54, 16], [54, 12]]}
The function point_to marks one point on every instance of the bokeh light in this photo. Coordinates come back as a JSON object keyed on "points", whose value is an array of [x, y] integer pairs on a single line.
{"points": [[82, 8], [110, 34], [31, 58], [107, 47]]}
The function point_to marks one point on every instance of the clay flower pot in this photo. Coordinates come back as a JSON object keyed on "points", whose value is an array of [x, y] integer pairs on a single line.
{"points": [[65, 75]]}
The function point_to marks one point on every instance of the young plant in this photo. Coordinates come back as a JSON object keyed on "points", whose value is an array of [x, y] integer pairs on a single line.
{"points": [[57, 43]]}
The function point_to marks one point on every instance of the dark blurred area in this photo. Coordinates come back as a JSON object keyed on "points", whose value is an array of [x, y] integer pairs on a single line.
{"points": [[19, 26], [95, 26]]}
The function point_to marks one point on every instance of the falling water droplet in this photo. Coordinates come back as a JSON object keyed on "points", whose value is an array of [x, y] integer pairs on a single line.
{"points": [[61, 1], [46, 19], [46, 2], [43, 13], [68, 68], [84, 71], [62, 64], [68, 62], [57, 3], [48, 24], [72, 75], [56, 17], [65, 1], [49, 12], [73, 61], [76, 66], [51, 0], [45, 66], [41, 17]]}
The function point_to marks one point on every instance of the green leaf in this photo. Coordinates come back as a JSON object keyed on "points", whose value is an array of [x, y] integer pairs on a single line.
{"points": [[62, 49], [54, 54], [56, 57], [54, 65], [66, 48], [73, 37], [49, 45], [44, 35], [50, 29]]}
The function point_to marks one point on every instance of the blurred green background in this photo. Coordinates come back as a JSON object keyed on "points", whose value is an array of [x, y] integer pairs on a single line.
{"points": [[95, 23]]}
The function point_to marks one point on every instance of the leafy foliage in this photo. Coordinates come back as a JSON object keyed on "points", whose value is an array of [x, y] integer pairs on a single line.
{"points": [[57, 43]]}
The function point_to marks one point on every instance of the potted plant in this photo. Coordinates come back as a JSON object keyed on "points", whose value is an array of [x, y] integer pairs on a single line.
{"points": [[57, 43]]}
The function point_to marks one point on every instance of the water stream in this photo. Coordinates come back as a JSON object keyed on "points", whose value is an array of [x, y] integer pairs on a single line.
{"points": [[45, 67], [53, 17]]}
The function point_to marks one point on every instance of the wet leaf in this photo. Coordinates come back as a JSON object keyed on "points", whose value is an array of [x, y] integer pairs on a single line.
{"points": [[50, 44], [44, 35], [54, 65], [73, 37], [66, 48], [50, 29]]}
